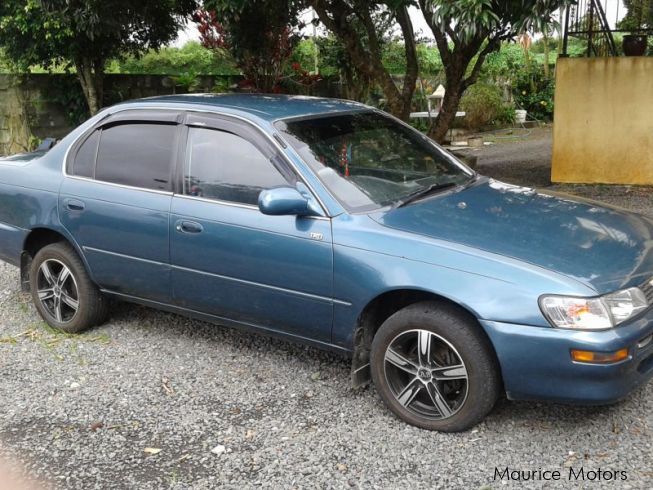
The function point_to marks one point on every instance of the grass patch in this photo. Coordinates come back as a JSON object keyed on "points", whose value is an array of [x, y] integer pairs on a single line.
{"points": [[61, 345], [58, 335]]}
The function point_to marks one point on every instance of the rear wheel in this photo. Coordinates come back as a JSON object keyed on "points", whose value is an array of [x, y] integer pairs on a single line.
{"points": [[62, 290], [434, 368]]}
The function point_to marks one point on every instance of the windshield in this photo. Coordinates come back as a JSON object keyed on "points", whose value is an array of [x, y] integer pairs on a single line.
{"points": [[368, 160]]}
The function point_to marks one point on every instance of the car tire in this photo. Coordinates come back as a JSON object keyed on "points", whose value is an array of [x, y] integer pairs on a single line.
{"points": [[434, 367], [63, 292]]}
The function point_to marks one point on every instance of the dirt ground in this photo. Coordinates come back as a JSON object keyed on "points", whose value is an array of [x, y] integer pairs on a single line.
{"points": [[522, 156]]}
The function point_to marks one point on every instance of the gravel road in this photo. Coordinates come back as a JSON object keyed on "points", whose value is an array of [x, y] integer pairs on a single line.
{"points": [[80, 412], [154, 400]]}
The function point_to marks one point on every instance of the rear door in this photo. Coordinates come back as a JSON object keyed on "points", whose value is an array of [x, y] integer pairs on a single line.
{"points": [[230, 260], [116, 201]]}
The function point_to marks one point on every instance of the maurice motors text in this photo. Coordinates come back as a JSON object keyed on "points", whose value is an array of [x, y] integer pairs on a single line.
{"points": [[571, 474]]}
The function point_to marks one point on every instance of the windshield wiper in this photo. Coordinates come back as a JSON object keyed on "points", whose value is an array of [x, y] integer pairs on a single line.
{"points": [[422, 193]]}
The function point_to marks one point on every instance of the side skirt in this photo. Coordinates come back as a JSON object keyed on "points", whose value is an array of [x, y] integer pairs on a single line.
{"points": [[226, 322]]}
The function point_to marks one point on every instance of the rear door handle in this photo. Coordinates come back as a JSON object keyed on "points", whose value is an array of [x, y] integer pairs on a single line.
{"points": [[74, 204], [184, 226]]}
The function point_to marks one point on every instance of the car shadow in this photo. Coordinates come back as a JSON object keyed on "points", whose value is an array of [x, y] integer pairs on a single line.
{"points": [[169, 324]]}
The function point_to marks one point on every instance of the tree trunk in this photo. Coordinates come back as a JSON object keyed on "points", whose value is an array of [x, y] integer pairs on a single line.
{"points": [[547, 73], [91, 77], [457, 54], [453, 94], [366, 57], [412, 67]]}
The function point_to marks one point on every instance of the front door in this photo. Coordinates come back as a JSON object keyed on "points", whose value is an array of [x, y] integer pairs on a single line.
{"points": [[230, 260]]}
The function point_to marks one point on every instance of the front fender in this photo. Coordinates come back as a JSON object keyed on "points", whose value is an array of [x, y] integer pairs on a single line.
{"points": [[370, 260], [360, 276]]}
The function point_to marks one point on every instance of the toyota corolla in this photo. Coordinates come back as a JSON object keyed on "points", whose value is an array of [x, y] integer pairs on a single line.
{"points": [[332, 223]]}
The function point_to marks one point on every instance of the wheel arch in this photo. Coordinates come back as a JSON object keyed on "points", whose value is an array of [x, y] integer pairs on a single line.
{"points": [[379, 309], [37, 238]]}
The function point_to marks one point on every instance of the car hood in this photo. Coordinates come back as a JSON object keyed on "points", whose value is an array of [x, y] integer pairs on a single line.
{"points": [[605, 247]]}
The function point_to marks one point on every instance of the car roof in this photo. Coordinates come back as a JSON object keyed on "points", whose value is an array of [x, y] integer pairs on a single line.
{"points": [[265, 106]]}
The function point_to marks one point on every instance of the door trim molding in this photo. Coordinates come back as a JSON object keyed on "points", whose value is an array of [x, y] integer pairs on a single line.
{"points": [[266, 286], [130, 257], [316, 297]]}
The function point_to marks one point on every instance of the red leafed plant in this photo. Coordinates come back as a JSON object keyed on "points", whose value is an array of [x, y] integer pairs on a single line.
{"points": [[260, 35], [304, 77], [212, 32]]}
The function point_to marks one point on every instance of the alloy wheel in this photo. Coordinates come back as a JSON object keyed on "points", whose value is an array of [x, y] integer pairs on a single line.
{"points": [[426, 374], [57, 290]]}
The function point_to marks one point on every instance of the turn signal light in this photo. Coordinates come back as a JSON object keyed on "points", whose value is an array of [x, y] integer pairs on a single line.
{"points": [[599, 357]]}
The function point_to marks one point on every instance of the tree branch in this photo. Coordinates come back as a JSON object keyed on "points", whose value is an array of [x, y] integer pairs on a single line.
{"points": [[337, 15], [440, 37], [492, 45], [412, 68], [452, 35]]}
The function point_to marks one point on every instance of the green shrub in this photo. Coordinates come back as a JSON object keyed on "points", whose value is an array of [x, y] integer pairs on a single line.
{"points": [[66, 92], [192, 57], [506, 115], [534, 92], [304, 54], [503, 64], [429, 60], [484, 105], [394, 58], [5, 66]]}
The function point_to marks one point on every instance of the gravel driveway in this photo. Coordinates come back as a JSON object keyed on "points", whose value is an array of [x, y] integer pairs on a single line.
{"points": [[142, 402]]}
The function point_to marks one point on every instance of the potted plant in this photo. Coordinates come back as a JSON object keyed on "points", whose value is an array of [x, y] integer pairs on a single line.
{"points": [[635, 44], [638, 18]]}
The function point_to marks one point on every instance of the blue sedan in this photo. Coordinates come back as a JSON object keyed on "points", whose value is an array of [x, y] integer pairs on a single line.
{"points": [[334, 224]]}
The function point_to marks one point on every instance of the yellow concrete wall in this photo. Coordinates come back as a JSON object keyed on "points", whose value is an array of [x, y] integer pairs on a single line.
{"points": [[603, 122]]}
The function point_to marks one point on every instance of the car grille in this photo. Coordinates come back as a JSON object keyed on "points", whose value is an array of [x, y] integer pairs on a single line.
{"points": [[647, 289]]}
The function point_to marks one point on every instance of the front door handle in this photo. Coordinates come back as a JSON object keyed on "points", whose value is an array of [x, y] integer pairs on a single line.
{"points": [[74, 204], [184, 226]]}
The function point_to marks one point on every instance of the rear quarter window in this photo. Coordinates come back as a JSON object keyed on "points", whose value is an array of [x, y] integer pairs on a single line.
{"points": [[84, 162]]}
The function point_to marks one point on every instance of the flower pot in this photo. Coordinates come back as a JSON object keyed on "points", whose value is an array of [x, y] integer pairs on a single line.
{"points": [[635, 44]]}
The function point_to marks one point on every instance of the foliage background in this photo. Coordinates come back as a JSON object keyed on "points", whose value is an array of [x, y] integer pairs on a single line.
{"points": [[506, 75], [190, 58]]}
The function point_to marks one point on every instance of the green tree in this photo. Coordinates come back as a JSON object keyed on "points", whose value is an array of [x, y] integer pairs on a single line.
{"points": [[358, 83], [84, 34], [355, 24], [466, 32], [639, 15]]}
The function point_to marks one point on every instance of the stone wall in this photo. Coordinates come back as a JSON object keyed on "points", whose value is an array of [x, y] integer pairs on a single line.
{"points": [[33, 107], [38, 106]]}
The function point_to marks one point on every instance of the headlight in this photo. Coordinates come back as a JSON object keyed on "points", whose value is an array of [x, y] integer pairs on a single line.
{"points": [[593, 313]]}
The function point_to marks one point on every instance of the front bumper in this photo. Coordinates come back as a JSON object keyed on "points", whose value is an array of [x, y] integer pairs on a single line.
{"points": [[536, 362]]}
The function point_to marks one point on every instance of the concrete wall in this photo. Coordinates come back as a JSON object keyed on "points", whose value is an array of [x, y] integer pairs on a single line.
{"points": [[603, 121]]}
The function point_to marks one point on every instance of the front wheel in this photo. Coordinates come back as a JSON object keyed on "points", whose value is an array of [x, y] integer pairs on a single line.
{"points": [[434, 368], [63, 292]]}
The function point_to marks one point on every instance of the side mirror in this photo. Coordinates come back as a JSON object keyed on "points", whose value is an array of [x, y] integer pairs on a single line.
{"points": [[284, 201]]}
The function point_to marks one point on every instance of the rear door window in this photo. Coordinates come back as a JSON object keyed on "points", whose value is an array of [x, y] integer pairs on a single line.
{"points": [[137, 155]]}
